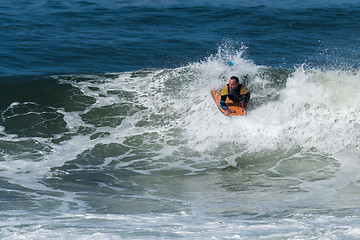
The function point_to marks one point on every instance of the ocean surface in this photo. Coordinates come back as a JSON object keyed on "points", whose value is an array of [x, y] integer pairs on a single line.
{"points": [[108, 129]]}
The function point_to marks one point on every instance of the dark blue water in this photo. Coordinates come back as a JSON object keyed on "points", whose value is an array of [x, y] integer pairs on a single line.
{"points": [[108, 129], [45, 37]]}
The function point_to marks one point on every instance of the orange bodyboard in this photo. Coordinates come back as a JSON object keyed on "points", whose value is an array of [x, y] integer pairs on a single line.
{"points": [[236, 110]]}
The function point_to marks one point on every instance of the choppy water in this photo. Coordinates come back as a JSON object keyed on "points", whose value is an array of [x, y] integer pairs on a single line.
{"points": [[108, 129]]}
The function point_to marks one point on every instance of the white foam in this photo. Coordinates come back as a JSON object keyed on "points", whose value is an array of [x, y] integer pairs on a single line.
{"points": [[189, 226], [315, 110]]}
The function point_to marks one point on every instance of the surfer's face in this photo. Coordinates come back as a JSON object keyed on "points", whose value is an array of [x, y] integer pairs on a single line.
{"points": [[233, 84]]}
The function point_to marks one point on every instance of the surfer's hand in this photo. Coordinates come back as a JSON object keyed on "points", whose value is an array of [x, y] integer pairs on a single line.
{"points": [[227, 112]]}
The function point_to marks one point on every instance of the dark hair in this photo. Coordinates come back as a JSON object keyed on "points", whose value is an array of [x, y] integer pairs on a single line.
{"points": [[235, 78]]}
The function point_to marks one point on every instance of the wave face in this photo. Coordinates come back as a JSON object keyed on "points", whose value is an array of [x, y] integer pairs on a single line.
{"points": [[149, 150]]}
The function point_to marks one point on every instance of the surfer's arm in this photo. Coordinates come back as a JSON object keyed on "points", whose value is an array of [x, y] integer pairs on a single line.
{"points": [[223, 104], [246, 99]]}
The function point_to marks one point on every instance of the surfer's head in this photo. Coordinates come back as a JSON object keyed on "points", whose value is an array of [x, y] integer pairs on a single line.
{"points": [[233, 83], [235, 78]]}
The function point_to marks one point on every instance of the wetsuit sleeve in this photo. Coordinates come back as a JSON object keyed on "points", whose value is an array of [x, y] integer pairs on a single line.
{"points": [[222, 102], [244, 92], [224, 94], [246, 97]]}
